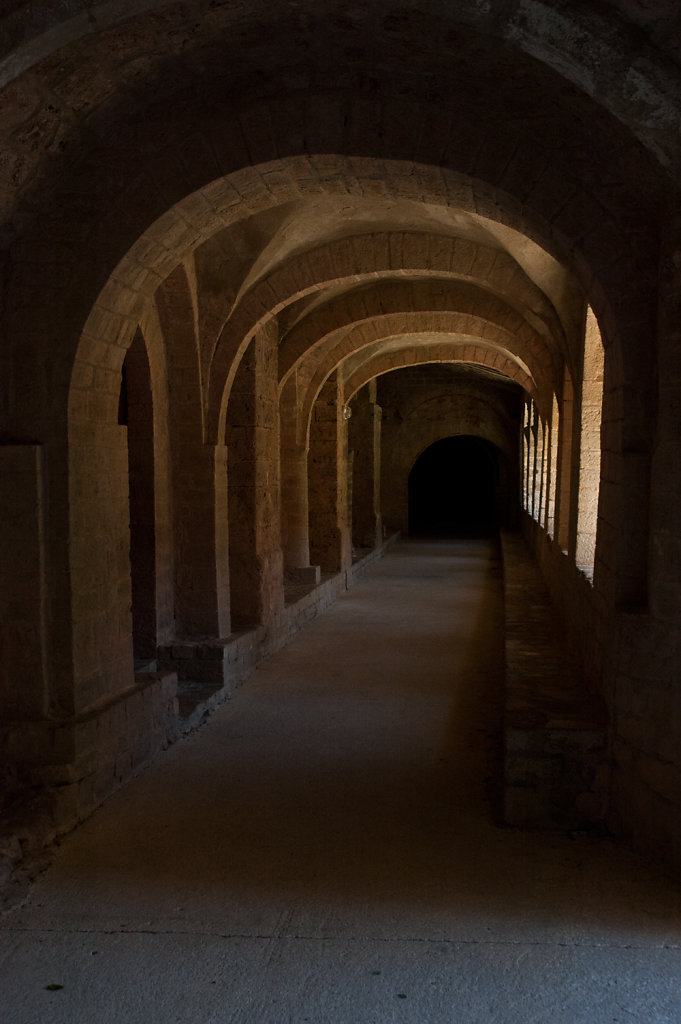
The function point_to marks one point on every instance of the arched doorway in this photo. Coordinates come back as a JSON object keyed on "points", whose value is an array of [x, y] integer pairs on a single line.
{"points": [[453, 488]]}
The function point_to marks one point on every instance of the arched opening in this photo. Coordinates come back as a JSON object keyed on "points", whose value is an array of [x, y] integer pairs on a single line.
{"points": [[453, 488], [566, 469], [590, 446]]}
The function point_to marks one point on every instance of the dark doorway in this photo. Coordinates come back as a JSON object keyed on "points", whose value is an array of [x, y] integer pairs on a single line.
{"points": [[453, 488]]}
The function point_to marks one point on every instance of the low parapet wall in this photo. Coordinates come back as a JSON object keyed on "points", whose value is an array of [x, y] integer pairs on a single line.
{"points": [[555, 767]]}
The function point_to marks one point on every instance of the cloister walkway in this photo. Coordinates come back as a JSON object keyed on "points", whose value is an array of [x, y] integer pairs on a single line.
{"points": [[326, 850]]}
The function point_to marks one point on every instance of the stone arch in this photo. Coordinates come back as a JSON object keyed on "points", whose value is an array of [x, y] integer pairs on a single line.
{"points": [[384, 362], [410, 326], [381, 256], [171, 225], [493, 299], [141, 225], [415, 252], [155, 253], [441, 416], [585, 47]]}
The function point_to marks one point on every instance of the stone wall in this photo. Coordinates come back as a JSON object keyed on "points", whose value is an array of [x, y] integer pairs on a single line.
{"points": [[423, 406]]}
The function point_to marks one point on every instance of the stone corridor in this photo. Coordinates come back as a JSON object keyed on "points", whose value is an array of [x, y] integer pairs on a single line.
{"points": [[327, 849], [282, 281]]}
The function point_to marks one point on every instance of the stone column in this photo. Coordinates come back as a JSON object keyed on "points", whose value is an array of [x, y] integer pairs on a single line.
{"points": [[202, 605], [256, 568], [136, 410], [327, 480], [365, 443], [99, 550], [295, 516], [295, 539], [23, 587]]}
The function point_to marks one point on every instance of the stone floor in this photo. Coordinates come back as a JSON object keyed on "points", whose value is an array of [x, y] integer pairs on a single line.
{"points": [[325, 850]]}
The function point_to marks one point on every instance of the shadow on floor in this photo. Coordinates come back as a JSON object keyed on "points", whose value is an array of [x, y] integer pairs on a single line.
{"points": [[354, 779]]}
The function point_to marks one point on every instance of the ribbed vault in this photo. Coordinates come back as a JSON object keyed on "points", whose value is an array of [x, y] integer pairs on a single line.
{"points": [[335, 298]]}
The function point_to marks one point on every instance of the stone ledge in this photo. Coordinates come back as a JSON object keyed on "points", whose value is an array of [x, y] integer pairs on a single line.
{"points": [[94, 753], [554, 762], [210, 669]]}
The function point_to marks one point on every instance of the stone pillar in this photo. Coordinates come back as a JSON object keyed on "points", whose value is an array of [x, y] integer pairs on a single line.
{"points": [[223, 602], [197, 652], [394, 502], [256, 567], [202, 606], [327, 480], [137, 412], [665, 593], [197, 476], [23, 596], [364, 429], [295, 516], [295, 539], [99, 550]]}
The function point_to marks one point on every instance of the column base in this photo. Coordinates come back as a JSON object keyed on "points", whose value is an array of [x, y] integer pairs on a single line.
{"points": [[304, 574]]}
